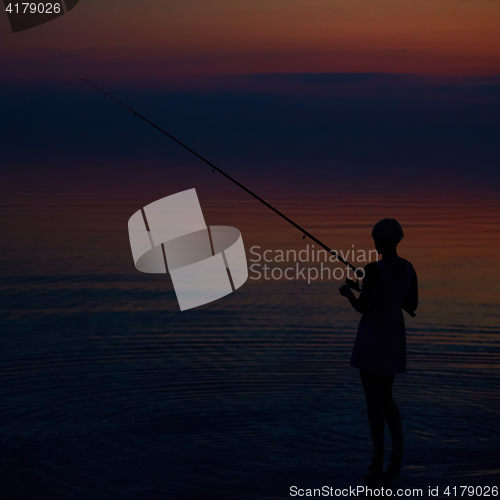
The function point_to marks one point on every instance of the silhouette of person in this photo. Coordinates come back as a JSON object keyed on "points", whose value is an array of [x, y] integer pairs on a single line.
{"points": [[389, 286]]}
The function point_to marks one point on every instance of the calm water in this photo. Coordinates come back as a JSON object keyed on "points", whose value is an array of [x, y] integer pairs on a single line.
{"points": [[108, 391]]}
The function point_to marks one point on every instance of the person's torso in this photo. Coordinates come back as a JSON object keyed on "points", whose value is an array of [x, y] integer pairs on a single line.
{"points": [[391, 288]]}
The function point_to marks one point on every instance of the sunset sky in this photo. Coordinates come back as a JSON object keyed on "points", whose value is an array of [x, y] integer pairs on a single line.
{"points": [[161, 41]]}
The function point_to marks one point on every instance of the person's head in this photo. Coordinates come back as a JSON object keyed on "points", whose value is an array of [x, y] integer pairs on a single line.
{"points": [[386, 234]]}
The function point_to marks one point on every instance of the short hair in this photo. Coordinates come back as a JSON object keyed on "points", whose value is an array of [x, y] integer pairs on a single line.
{"points": [[388, 230]]}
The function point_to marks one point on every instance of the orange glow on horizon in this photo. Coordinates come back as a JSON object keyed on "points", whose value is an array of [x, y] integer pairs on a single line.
{"points": [[221, 37]]}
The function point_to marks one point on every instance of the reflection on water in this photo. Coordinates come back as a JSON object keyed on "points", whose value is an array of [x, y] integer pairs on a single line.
{"points": [[109, 391]]}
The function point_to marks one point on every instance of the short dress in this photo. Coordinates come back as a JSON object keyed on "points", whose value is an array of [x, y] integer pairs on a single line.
{"points": [[380, 346]]}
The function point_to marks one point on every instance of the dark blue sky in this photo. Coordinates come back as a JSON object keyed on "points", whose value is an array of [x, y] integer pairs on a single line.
{"points": [[314, 128]]}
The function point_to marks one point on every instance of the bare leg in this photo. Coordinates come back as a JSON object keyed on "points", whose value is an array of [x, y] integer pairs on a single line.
{"points": [[375, 410], [394, 422]]}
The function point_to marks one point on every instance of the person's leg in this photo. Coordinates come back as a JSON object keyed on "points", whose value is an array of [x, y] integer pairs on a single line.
{"points": [[394, 422], [375, 409]]}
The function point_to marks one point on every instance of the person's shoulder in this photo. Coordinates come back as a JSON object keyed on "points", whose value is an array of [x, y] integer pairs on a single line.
{"points": [[412, 269], [409, 264]]}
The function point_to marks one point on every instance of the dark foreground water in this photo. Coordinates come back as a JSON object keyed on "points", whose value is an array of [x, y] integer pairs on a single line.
{"points": [[108, 391]]}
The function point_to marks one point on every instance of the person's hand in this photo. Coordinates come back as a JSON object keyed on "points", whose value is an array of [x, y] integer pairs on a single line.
{"points": [[353, 284], [345, 290]]}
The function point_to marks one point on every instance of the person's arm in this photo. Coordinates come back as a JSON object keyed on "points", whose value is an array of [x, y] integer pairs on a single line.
{"points": [[361, 303], [411, 302]]}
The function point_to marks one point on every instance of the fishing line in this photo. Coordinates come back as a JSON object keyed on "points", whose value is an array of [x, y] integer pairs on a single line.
{"points": [[359, 272]]}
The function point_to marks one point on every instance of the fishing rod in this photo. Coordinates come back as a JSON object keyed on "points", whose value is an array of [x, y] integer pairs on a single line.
{"points": [[358, 272]]}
